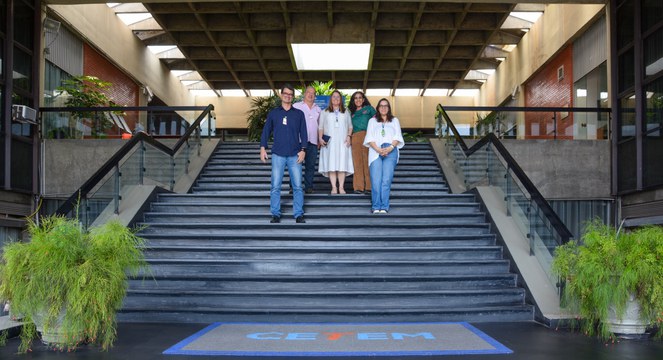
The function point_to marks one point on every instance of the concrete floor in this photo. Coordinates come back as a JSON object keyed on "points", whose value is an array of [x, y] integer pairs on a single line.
{"points": [[529, 341]]}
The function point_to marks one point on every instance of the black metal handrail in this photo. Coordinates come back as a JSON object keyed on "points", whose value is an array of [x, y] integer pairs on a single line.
{"points": [[534, 193], [114, 161]]}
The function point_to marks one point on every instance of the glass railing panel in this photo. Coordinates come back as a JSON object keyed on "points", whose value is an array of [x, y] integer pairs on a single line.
{"points": [[100, 200], [131, 169], [181, 160], [159, 169], [518, 203], [544, 240], [497, 172]]}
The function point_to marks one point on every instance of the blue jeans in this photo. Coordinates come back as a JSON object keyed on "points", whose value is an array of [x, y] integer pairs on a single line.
{"points": [[295, 170], [309, 165], [382, 174]]}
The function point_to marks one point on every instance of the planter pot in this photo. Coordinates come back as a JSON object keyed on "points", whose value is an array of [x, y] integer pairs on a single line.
{"points": [[55, 334], [630, 325]]}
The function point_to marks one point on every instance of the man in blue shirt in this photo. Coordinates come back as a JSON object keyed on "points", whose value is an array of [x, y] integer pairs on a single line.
{"points": [[289, 149]]}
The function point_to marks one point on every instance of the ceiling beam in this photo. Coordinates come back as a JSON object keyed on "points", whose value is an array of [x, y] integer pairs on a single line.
{"points": [[252, 38], [410, 40]]}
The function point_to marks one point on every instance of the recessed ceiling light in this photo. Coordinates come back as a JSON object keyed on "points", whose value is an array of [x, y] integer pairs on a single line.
{"points": [[331, 56]]}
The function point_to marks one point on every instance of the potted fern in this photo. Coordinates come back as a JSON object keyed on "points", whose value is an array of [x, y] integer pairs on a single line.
{"points": [[614, 280], [70, 281]]}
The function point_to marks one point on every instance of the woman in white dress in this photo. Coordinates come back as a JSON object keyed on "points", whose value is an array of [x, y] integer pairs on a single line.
{"points": [[334, 132]]}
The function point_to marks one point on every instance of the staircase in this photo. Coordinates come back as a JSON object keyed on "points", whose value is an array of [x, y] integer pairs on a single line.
{"points": [[214, 255]]}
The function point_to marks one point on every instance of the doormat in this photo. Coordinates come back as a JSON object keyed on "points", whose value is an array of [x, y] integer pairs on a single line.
{"points": [[338, 339]]}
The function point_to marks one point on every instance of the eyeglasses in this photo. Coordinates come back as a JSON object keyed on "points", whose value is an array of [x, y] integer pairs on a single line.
{"points": [[383, 106], [358, 98], [287, 94]]}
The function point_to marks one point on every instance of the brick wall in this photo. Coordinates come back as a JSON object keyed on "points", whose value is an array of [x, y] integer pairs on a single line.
{"points": [[544, 89], [124, 91]]}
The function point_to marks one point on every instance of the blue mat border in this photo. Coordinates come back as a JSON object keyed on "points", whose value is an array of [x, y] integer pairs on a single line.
{"points": [[177, 349]]}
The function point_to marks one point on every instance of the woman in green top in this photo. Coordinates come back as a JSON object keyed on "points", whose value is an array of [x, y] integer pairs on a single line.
{"points": [[361, 111]]}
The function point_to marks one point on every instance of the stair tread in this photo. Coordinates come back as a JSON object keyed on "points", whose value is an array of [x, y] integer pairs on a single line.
{"points": [[432, 255]]}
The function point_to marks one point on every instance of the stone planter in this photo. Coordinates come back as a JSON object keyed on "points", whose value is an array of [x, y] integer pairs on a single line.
{"points": [[55, 336], [630, 325]]}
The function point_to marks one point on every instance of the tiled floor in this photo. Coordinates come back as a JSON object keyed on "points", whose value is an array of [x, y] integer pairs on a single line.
{"points": [[529, 341]]}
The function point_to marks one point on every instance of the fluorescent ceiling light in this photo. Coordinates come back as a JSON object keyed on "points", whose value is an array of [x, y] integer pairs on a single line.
{"points": [[407, 92], [331, 56], [531, 16], [509, 47], [132, 18], [378, 92], [180, 72], [157, 49], [232, 92], [436, 92]]}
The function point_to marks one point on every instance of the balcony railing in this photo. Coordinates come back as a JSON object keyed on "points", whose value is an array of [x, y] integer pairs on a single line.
{"points": [[489, 162], [142, 160]]}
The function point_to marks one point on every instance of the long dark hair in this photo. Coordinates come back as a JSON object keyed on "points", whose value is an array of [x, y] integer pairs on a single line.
{"points": [[378, 116], [352, 105], [341, 107]]}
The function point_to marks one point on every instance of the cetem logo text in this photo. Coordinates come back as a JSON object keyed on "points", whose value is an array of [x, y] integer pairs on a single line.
{"points": [[335, 336]]}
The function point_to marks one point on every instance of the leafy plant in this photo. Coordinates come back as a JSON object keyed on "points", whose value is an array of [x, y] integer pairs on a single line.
{"points": [[606, 270], [257, 116], [321, 88], [89, 91], [69, 280]]}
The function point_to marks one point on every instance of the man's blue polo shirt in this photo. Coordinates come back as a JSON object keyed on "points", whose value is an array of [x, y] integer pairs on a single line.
{"points": [[289, 131]]}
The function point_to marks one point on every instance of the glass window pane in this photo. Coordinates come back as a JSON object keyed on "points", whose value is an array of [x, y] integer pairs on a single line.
{"points": [[654, 104], [3, 14], [2, 58], [652, 169], [2, 142], [626, 70], [651, 13], [22, 70], [21, 165], [626, 121], [625, 18], [23, 23], [654, 53], [626, 173]]}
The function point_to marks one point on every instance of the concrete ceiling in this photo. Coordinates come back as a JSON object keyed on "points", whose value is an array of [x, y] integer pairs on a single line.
{"points": [[414, 45]]}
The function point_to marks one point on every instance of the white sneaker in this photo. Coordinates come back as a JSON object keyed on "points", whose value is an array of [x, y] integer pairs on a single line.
{"points": [[383, 211], [376, 211]]}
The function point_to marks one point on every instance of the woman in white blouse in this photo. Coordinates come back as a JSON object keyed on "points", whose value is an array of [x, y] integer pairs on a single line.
{"points": [[384, 139], [334, 132]]}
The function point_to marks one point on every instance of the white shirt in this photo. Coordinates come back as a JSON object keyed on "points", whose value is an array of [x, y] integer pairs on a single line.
{"points": [[374, 133]]}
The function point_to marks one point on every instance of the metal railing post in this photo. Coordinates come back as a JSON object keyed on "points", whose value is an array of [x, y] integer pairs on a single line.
{"points": [[530, 234], [116, 189], [141, 162], [172, 172], [554, 118]]}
